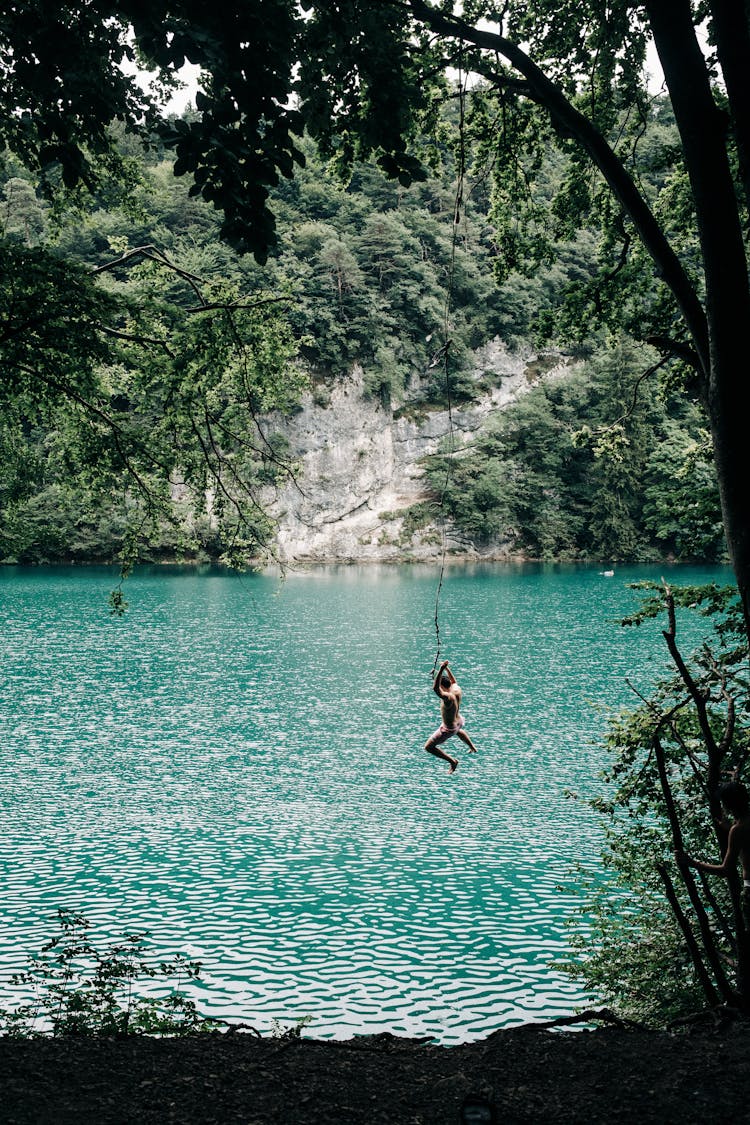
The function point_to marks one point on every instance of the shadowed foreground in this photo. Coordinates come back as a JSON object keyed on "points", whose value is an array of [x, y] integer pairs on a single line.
{"points": [[530, 1075]]}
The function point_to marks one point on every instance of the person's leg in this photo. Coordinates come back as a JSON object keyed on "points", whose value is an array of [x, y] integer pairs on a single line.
{"points": [[432, 746], [465, 738]]}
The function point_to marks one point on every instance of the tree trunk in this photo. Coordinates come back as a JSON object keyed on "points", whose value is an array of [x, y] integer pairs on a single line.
{"points": [[732, 36], [703, 129]]}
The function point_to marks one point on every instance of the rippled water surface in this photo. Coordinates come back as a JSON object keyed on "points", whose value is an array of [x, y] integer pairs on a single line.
{"points": [[237, 767]]}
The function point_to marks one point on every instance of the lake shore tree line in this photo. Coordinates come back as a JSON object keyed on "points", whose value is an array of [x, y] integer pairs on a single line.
{"points": [[145, 334], [366, 272]]}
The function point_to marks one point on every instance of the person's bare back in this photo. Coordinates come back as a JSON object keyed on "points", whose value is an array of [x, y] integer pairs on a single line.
{"points": [[450, 706]]}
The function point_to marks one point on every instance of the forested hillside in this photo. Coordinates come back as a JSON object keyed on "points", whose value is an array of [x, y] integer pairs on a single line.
{"points": [[595, 465]]}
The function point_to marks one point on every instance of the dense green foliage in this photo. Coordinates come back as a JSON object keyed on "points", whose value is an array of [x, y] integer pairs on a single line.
{"points": [[131, 381], [582, 468], [365, 273], [366, 78], [372, 276], [80, 988], [369, 272], [672, 749]]}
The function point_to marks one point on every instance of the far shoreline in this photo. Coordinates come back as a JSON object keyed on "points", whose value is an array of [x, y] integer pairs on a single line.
{"points": [[454, 561]]}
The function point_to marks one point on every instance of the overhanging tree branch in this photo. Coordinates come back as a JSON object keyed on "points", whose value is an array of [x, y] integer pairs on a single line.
{"points": [[677, 348], [572, 122]]}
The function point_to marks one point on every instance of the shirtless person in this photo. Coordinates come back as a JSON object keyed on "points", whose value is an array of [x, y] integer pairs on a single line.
{"points": [[736, 800], [450, 702]]}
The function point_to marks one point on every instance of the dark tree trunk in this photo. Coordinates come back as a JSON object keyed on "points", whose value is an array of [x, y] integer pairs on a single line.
{"points": [[703, 130], [732, 35]]}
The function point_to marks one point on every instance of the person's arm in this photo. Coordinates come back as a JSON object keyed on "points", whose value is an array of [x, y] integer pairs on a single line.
{"points": [[436, 683], [722, 868]]}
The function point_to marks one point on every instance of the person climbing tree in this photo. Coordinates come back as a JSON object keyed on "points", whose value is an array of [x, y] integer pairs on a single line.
{"points": [[452, 723], [736, 800]]}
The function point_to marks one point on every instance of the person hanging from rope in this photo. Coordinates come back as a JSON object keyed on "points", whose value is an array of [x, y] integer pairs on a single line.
{"points": [[452, 723], [736, 801]]}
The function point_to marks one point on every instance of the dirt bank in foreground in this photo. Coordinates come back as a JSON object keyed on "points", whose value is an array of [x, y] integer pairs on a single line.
{"points": [[531, 1076]]}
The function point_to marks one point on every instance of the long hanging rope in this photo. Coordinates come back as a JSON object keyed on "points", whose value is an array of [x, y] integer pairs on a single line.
{"points": [[457, 211]]}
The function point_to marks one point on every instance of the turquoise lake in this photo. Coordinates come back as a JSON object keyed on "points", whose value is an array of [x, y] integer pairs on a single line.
{"points": [[237, 767]]}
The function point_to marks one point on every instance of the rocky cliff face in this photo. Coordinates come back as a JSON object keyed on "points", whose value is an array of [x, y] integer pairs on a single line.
{"points": [[360, 465]]}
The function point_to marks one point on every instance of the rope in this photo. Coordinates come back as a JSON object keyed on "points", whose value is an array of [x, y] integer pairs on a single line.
{"points": [[441, 505], [457, 209]]}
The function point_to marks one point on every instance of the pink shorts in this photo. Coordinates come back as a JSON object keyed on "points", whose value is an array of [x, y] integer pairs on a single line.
{"points": [[443, 733]]}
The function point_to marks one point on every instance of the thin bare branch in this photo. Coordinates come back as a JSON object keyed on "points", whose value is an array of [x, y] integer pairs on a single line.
{"points": [[232, 306], [601, 430], [152, 341], [709, 943], [154, 254], [696, 694], [701, 971]]}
